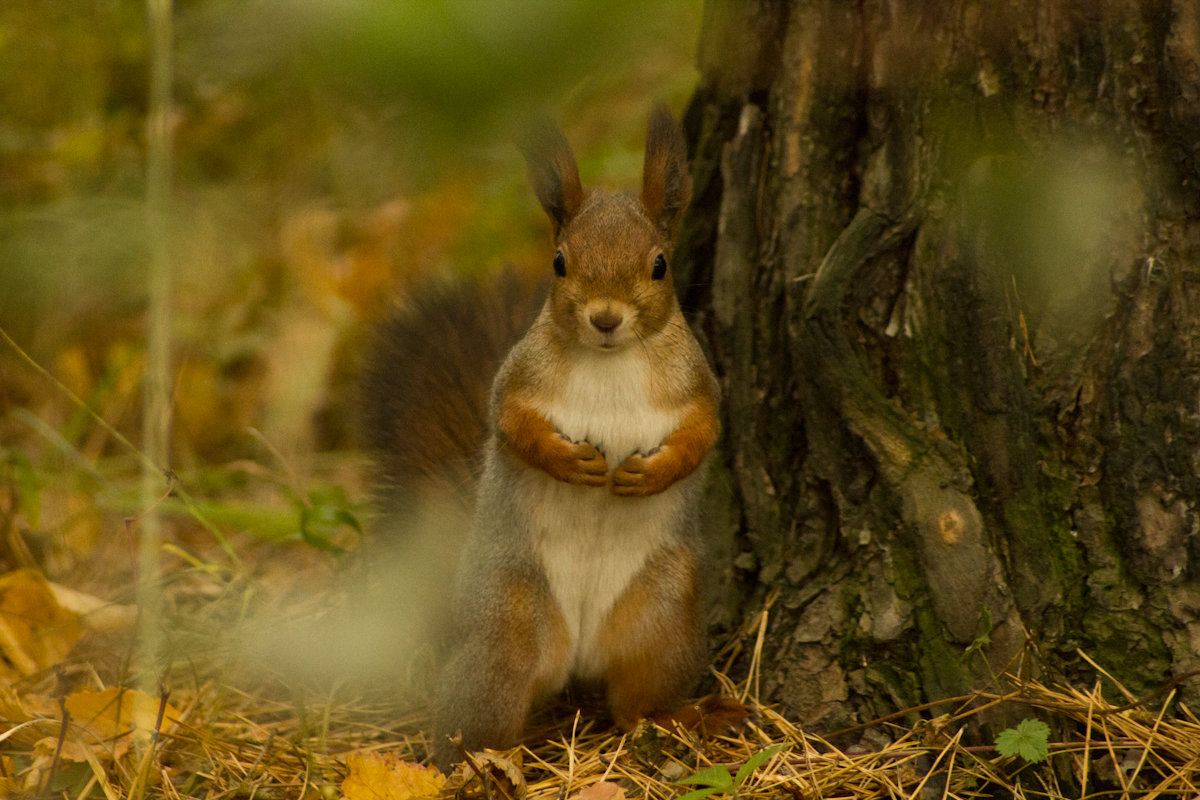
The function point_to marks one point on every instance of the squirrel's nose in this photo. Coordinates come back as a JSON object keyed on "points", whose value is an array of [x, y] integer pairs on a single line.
{"points": [[605, 321]]}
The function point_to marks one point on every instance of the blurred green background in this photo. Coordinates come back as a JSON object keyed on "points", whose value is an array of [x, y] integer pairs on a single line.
{"points": [[328, 155]]}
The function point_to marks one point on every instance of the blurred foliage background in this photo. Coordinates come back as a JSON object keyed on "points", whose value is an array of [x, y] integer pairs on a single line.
{"points": [[328, 156]]}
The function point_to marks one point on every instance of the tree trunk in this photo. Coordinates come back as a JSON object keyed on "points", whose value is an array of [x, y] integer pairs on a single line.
{"points": [[954, 258]]}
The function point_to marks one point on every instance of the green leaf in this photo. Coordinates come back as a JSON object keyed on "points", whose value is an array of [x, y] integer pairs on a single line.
{"points": [[1030, 740], [716, 777], [696, 794], [329, 495], [984, 639], [319, 525], [754, 762], [324, 516]]}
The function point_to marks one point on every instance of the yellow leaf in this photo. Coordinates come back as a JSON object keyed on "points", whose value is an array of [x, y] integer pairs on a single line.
{"points": [[12, 710], [8, 785], [383, 776], [35, 631], [108, 722], [498, 769], [601, 790], [95, 613]]}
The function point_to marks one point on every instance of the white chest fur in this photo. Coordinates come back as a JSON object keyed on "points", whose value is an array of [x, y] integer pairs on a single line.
{"points": [[592, 543], [607, 401]]}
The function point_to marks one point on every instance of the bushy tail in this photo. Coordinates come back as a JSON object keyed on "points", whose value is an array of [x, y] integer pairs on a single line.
{"points": [[426, 381], [424, 408]]}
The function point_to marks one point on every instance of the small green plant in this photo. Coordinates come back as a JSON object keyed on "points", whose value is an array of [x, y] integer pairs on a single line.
{"points": [[983, 640], [1030, 740], [717, 778], [324, 517]]}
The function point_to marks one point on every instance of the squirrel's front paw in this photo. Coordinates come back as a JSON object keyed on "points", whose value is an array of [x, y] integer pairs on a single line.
{"points": [[642, 476], [580, 463]]}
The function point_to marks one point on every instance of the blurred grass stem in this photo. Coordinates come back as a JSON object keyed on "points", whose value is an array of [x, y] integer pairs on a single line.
{"points": [[156, 411]]}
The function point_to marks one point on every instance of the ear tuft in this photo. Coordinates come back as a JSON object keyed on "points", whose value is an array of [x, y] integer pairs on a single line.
{"points": [[666, 183], [552, 171]]}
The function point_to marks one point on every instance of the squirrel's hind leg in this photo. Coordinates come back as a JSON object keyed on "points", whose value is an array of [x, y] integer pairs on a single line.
{"points": [[510, 654], [653, 638]]}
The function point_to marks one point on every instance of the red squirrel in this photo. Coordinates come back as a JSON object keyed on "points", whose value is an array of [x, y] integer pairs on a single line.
{"points": [[582, 557]]}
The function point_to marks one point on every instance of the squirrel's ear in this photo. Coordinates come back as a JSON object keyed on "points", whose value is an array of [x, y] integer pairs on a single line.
{"points": [[552, 171], [666, 183]]}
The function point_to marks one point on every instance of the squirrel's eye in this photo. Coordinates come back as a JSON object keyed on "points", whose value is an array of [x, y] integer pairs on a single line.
{"points": [[560, 265], [660, 267]]}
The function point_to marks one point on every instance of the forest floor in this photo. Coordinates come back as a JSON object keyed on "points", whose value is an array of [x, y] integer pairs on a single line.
{"points": [[248, 680], [233, 708], [301, 210]]}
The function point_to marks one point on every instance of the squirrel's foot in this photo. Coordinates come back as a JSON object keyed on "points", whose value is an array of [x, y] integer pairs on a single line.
{"points": [[711, 714]]}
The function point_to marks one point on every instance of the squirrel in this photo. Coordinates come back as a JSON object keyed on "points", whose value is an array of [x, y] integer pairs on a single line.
{"points": [[582, 557]]}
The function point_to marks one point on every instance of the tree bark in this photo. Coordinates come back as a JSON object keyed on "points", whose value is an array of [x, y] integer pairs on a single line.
{"points": [[947, 260]]}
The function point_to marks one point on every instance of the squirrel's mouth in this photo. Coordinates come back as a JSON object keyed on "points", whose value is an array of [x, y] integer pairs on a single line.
{"points": [[611, 341], [605, 341], [608, 341]]}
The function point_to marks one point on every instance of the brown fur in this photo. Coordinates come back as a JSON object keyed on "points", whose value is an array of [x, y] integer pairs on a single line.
{"points": [[677, 457], [528, 545], [653, 639], [516, 654], [416, 442], [532, 438], [666, 184], [552, 172], [711, 714], [424, 409]]}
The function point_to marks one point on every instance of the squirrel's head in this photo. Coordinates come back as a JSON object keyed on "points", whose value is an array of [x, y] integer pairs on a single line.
{"points": [[612, 284]]}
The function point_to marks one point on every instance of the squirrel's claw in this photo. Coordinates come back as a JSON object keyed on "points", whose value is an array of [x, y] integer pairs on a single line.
{"points": [[588, 468], [637, 477]]}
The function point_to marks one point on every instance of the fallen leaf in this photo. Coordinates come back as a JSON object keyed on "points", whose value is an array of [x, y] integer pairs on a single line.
{"points": [[35, 631], [107, 723], [502, 772], [383, 776], [95, 613], [602, 790], [8, 785], [24, 719], [70, 513]]}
